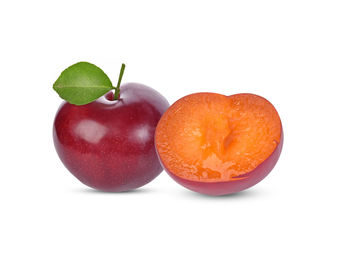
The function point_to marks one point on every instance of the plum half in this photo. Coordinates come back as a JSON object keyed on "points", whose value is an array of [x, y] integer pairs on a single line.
{"points": [[216, 145]]}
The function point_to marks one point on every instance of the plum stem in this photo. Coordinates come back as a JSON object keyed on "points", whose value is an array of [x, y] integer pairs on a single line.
{"points": [[117, 88]]}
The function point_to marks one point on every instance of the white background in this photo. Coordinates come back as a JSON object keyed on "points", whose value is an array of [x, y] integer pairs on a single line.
{"points": [[294, 53]]}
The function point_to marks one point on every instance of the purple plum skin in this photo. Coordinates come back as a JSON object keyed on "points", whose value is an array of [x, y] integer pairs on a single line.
{"points": [[109, 144]]}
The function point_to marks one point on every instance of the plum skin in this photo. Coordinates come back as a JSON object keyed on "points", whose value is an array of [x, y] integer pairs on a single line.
{"points": [[109, 144], [231, 187]]}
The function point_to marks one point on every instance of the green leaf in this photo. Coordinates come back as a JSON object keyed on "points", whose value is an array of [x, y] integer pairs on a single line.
{"points": [[82, 83]]}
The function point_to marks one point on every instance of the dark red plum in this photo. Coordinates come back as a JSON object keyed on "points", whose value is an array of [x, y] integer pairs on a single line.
{"points": [[109, 144]]}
